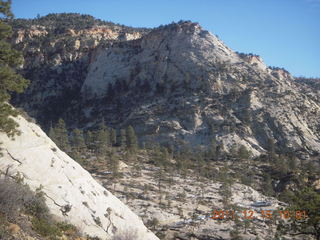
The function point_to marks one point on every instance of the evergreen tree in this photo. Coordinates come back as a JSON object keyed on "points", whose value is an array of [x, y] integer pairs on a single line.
{"points": [[267, 185], [161, 156], [225, 189], [271, 148], [243, 153], [212, 154], [292, 163], [113, 164], [181, 164], [77, 140], [113, 137], [61, 136], [279, 163], [101, 139], [77, 145], [122, 138], [131, 139], [51, 134], [307, 200], [89, 139], [10, 80]]}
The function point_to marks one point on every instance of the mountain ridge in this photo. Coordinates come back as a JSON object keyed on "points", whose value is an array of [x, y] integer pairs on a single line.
{"points": [[175, 84]]}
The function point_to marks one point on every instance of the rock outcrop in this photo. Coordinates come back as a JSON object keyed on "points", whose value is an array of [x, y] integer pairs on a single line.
{"points": [[181, 83], [71, 193], [176, 84]]}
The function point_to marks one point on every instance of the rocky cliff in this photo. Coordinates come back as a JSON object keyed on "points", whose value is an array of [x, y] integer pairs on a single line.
{"points": [[175, 84], [71, 193], [58, 49]]}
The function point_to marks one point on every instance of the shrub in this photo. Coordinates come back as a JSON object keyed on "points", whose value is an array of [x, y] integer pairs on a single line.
{"points": [[37, 207], [126, 235], [45, 227], [13, 197], [4, 234], [16, 197]]}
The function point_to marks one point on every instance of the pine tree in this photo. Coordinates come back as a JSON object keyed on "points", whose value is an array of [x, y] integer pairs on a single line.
{"points": [[308, 200], [113, 137], [243, 153], [101, 140], [225, 189], [131, 139], [267, 185], [122, 138], [51, 133], [61, 136], [77, 140], [292, 163], [212, 154], [10, 80], [271, 148], [89, 139], [113, 164], [77, 145]]}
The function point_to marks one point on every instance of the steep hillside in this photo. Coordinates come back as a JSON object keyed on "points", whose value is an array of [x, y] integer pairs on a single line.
{"points": [[58, 49], [71, 193], [176, 84], [182, 83]]}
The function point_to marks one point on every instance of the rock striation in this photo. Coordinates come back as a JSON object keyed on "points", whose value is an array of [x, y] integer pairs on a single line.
{"points": [[71, 193]]}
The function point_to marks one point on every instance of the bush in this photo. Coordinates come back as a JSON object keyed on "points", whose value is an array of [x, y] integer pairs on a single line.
{"points": [[126, 235], [37, 207], [16, 197], [13, 197], [4, 234], [45, 227]]}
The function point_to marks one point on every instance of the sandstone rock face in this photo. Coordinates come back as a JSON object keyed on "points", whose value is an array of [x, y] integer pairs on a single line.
{"points": [[175, 55], [71, 193], [177, 84], [199, 89], [57, 50]]}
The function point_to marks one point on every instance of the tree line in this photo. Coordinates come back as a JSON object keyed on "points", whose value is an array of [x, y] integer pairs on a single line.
{"points": [[97, 141]]}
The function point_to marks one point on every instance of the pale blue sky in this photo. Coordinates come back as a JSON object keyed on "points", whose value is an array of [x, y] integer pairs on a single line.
{"points": [[285, 33]]}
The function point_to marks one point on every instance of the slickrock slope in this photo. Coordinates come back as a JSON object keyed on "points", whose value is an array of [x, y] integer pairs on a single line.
{"points": [[71, 193]]}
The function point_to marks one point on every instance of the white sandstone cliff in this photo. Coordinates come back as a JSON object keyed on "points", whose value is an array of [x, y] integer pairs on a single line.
{"points": [[72, 195]]}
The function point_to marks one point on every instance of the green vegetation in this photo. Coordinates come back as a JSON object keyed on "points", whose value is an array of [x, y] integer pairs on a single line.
{"points": [[60, 22], [131, 139], [78, 146], [10, 80], [307, 200], [239, 166], [59, 135], [17, 198], [225, 188]]}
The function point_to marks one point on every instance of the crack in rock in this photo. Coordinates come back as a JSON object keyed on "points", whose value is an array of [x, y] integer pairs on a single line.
{"points": [[13, 158], [63, 208]]}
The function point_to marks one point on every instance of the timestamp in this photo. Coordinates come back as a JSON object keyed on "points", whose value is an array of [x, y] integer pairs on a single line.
{"points": [[249, 214]]}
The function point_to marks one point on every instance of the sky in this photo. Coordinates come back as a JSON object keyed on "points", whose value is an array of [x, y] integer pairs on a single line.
{"points": [[285, 33]]}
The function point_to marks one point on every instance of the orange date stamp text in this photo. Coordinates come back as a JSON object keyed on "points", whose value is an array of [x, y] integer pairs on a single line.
{"points": [[219, 214]]}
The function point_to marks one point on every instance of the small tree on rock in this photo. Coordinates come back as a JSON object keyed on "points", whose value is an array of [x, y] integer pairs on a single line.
{"points": [[61, 136], [131, 139]]}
